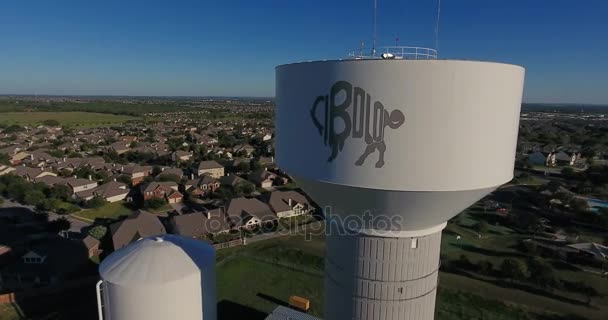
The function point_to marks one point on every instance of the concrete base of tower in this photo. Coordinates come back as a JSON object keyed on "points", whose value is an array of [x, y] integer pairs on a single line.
{"points": [[369, 277]]}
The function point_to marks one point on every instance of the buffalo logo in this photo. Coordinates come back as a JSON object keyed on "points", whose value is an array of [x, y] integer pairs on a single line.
{"points": [[365, 123]]}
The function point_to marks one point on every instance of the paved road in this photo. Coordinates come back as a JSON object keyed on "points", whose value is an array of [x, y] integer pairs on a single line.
{"points": [[76, 225]]}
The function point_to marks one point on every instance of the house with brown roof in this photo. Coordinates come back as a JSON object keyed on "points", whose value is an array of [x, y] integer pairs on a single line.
{"points": [[120, 147], [140, 225], [172, 171], [248, 213], [136, 173], [44, 263], [232, 181], [262, 178], [289, 203], [79, 185], [212, 168], [202, 186], [30, 174], [92, 246], [112, 191], [162, 190], [199, 224], [181, 155]]}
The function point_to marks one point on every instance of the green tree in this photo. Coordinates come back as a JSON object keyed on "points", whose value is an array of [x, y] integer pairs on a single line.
{"points": [[481, 227], [156, 170], [485, 267], [169, 177], [243, 166], [51, 123], [513, 269], [58, 225], [98, 232], [33, 197], [154, 203], [244, 188], [4, 159], [60, 191], [255, 165], [95, 202], [13, 128], [579, 205], [541, 273]]}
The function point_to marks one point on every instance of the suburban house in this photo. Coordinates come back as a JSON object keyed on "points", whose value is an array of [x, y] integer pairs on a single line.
{"points": [[30, 174], [128, 139], [51, 180], [162, 190], [112, 191], [92, 246], [18, 158], [203, 186], [590, 250], [245, 150], [289, 203], [212, 168], [563, 159], [262, 178], [248, 213], [120, 147], [4, 169], [172, 171], [140, 225], [232, 181], [136, 173], [80, 185], [181, 155], [199, 224], [44, 263]]}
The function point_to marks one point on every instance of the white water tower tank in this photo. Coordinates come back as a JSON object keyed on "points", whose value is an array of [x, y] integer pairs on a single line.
{"points": [[392, 149], [159, 278]]}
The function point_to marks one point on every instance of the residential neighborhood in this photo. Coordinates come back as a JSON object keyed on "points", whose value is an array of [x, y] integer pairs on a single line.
{"points": [[87, 192]]}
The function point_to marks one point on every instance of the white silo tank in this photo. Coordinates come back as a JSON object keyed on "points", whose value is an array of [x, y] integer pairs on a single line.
{"points": [[392, 149], [159, 278]]}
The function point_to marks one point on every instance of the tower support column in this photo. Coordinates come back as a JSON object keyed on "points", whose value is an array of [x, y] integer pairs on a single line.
{"points": [[371, 277]]}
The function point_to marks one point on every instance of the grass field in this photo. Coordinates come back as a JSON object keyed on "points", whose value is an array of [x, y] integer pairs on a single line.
{"points": [[108, 211], [257, 277], [8, 312], [71, 119]]}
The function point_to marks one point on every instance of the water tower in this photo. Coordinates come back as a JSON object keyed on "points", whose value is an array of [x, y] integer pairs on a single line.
{"points": [[158, 278], [392, 146]]}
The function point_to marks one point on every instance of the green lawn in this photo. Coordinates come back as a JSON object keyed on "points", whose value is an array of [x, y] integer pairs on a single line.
{"points": [[8, 312], [71, 119], [262, 274], [109, 210], [258, 285]]}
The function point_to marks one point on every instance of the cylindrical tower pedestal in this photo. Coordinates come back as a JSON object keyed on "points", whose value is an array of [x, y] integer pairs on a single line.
{"points": [[382, 278]]}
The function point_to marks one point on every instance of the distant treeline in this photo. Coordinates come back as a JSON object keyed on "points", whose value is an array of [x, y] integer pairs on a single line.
{"points": [[113, 107], [564, 108]]}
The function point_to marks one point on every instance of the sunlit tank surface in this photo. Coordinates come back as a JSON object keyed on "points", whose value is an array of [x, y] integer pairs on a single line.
{"points": [[408, 142], [156, 278]]}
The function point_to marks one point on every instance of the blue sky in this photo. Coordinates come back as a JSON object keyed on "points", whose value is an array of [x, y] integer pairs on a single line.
{"points": [[230, 48]]}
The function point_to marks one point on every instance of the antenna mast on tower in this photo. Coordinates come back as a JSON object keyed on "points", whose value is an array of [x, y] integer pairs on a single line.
{"points": [[374, 29]]}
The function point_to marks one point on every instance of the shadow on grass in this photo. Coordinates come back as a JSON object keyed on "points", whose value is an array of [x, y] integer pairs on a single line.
{"points": [[523, 287], [561, 265], [229, 310], [272, 299], [488, 252]]}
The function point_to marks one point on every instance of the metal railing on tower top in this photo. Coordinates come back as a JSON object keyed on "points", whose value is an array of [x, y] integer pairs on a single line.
{"points": [[397, 52]]}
